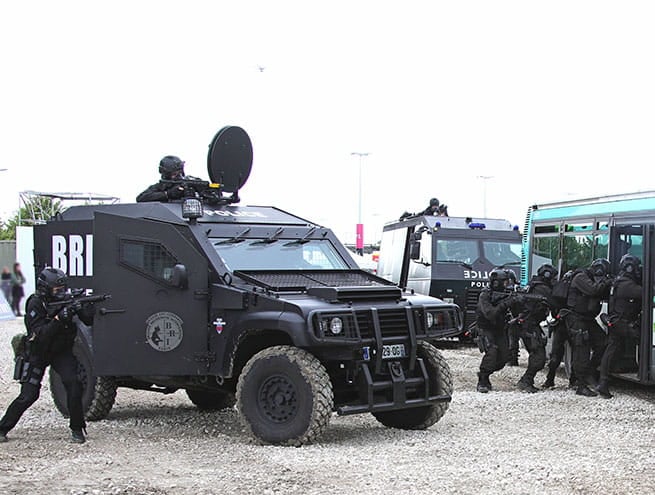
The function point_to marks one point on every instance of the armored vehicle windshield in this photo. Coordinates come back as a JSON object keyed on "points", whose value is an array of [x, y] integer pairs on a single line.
{"points": [[278, 254]]}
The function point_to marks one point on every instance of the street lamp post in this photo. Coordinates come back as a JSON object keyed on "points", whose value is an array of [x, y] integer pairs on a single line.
{"points": [[359, 242], [484, 178]]}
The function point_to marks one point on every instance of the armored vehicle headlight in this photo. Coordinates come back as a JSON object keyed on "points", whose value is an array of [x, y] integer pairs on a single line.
{"points": [[429, 319], [336, 325], [191, 208]]}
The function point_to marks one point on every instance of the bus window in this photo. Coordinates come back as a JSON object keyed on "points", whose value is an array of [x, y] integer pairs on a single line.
{"points": [[578, 252], [602, 243], [545, 250], [578, 227]]}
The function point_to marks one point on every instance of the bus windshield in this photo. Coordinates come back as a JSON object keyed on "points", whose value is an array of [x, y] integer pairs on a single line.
{"points": [[279, 254]]}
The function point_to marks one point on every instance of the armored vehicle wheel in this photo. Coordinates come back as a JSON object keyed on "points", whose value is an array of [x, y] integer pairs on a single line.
{"points": [[441, 382], [98, 393], [206, 400], [284, 396]]}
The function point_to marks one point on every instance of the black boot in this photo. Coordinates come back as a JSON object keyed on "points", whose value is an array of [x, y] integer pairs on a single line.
{"points": [[526, 386], [77, 436], [586, 391], [484, 385], [604, 390], [550, 379]]}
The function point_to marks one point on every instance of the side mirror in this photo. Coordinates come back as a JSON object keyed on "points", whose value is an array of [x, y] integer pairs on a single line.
{"points": [[179, 278], [415, 250]]}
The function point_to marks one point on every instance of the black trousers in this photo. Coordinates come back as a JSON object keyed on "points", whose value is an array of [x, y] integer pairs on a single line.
{"points": [[497, 351], [620, 332], [589, 343], [64, 363], [534, 342]]}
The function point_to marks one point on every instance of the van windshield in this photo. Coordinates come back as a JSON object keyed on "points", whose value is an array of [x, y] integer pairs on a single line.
{"points": [[279, 254]]}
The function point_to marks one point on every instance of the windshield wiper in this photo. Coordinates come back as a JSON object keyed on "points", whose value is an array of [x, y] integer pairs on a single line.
{"points": [[304, 239], [235, 239], [270, 239], [509, 263], [464, 264]]}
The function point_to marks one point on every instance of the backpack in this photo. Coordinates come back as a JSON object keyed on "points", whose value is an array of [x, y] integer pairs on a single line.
{"points": [[560, 291]]}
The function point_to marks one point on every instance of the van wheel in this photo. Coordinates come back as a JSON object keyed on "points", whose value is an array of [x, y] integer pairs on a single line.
{"points": [[98, 393], [284, 396], [441, 383], [207, 400]]}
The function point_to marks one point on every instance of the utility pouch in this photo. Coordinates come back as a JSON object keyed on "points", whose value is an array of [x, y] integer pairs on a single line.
{"points": [[18, 367]]}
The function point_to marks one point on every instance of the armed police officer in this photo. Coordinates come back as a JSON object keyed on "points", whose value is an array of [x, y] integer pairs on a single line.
{"points": [[589, 287], [49, 342], [624, 312], [492, 313], [530, 332], [169, 188], [435, 209]]}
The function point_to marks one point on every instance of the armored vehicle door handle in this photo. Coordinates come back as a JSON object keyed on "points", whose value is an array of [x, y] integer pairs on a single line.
{"points": [[105, 311]]}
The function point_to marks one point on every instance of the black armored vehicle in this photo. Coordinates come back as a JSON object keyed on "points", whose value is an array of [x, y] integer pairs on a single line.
{"points": [[245, 304]]}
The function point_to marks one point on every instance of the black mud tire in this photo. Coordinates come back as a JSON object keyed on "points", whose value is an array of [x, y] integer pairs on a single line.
{"points": [[441, 383], [207, 400], [98, 394], [284, 396]]}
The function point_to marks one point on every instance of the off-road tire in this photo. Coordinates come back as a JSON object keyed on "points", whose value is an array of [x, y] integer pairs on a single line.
{"points": [[98, 393], [207, 400], [284, 396], [441, 383]]}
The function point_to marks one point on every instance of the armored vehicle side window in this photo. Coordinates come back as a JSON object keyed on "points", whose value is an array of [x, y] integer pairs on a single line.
{"points": [[281, 254], [460, 250], [149, 258]]}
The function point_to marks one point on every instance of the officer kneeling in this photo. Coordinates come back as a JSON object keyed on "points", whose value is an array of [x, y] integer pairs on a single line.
{"points": [[49, 342]]}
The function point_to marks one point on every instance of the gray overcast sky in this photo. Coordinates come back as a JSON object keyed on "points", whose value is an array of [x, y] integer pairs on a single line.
{"points": [[552, 99]]}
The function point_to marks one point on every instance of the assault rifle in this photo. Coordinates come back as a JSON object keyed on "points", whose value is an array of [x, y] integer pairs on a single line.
{"points": [[76, 301], [194, 187], [518, 296]]}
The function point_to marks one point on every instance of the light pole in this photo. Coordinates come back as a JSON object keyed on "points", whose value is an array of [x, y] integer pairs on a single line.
{"points": [[359, 242], [484, 178]]}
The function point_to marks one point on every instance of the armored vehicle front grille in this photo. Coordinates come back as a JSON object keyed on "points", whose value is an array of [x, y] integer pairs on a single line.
{"points": [[393, 323], [301, 280]]}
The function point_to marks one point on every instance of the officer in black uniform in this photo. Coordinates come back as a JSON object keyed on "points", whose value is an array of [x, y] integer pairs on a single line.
{"points": [[588, 289], [530, 330], [624, 312], [170, 168], [50, 339], [491, 314], [435, 209], [560, 336]]}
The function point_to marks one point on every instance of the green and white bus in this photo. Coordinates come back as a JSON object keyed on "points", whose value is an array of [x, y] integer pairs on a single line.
{"points": [[571, 234]]}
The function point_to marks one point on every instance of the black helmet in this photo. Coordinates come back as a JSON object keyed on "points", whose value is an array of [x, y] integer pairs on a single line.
{"points": [[434, 202], [499, 278], [52, 284], [600, 267], [630, 264], [170, 165], [547, 272]]}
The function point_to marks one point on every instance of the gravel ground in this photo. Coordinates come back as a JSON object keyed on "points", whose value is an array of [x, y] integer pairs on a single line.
{"points": [[501, 442]]}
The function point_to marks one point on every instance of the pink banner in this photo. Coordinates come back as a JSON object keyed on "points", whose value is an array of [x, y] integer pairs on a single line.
{"points": [[359, 244]]}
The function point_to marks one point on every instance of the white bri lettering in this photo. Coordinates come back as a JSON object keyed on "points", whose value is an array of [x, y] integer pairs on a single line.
{"points": [[75, 256]]}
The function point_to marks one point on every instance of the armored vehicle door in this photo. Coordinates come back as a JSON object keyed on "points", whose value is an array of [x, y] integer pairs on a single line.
{"points": [[156, 320]]}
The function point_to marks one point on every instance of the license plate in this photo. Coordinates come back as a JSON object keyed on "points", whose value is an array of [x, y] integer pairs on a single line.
{"points": [[393, 351]]}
